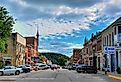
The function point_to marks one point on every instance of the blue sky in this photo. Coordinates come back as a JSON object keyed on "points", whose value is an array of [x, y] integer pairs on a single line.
{"points": [[63, 24]]}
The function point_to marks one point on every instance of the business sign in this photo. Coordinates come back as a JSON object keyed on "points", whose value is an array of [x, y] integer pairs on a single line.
{"points": [[109, 50]]}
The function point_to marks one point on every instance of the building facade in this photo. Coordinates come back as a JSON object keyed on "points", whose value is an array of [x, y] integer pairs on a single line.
{"points": [[31, 50], [15, 50], [103, 50], [76, 55]]}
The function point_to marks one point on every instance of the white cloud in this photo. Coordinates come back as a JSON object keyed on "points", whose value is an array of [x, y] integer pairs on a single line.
{"points": [[47, 27], [79, 46], [20, 2]]}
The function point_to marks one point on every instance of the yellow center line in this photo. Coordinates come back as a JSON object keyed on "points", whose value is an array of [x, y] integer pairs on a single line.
{"points": [[115, 77]]}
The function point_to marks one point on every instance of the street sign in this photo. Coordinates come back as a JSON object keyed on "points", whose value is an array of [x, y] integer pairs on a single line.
{"points": [[109, 50]]}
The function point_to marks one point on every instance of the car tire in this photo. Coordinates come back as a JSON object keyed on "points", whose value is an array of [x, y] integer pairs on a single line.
{"points": [[1, 73], [17, 72], [78, 71]]}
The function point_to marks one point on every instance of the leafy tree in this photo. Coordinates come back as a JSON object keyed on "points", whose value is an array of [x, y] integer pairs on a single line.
{"points": [[56, 58], [62, 61], [6, 23]]}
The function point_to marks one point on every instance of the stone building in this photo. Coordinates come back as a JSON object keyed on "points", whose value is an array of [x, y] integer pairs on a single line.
{"points": [[15, 50]]}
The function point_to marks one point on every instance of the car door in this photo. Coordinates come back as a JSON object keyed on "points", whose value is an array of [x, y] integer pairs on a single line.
{"points": [[7, 70], [13, 69]]}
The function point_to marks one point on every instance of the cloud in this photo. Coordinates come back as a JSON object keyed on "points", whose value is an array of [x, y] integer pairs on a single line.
{"points": [[112, 7], [47, 27], [70, 3]]}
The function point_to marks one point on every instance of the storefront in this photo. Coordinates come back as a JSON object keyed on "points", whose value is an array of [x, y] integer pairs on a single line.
{"points": [[7, 60], [110, 58]]}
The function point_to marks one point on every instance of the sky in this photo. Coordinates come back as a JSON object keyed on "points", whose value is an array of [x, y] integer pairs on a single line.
{"points": [[62, 24]]}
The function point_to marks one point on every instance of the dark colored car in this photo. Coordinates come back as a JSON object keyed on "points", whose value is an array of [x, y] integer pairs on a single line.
{"points": [[87, 69], [24, 68], [79, 68]]}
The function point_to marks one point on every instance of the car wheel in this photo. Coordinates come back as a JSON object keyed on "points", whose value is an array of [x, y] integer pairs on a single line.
{"points": [[1, 73], [17, 72]]}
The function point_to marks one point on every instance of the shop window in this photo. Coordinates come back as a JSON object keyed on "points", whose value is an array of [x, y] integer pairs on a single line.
{"points": [[119, 29]]}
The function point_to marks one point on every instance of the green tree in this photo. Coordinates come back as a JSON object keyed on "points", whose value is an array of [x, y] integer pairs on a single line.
{"points": [[6, 24], [62, 61]]}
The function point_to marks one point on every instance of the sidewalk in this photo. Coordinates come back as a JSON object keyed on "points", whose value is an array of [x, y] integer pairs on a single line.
{"points": [[111, 75]]}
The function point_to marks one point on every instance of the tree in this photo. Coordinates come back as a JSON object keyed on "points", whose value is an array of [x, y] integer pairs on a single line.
{"points": [[6, 24], [62, 61]]}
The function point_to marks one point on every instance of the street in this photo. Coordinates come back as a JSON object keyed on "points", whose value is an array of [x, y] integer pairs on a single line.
{"points": [[57, 76]]}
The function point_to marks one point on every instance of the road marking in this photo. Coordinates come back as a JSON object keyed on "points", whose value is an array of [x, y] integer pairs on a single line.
{"points": [[115, 77], [13, 79]]}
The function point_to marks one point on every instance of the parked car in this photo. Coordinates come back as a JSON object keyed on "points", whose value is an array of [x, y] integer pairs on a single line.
{"points": [[10, 70], [24, 68], [73, 66], [43, 66], [29, 66], [79, 68], [87, 69]]}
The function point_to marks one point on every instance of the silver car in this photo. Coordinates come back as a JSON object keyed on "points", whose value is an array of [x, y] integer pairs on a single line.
{"points": [[7, 70]]}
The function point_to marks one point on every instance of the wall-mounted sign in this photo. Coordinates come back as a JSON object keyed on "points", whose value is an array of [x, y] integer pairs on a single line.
{"points": [[109, 50]]}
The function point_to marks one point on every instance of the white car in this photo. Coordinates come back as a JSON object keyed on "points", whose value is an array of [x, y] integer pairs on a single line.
{"points": [[10, 70]]}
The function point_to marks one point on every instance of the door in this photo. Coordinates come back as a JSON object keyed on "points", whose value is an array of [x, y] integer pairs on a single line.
{"points": [[112, 63]]}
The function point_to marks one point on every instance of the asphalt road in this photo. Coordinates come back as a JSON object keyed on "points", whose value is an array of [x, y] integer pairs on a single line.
{"points": [[57, 76]]}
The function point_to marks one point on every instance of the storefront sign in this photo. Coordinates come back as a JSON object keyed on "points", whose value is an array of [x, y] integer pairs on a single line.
{"points": [[109, 50]]}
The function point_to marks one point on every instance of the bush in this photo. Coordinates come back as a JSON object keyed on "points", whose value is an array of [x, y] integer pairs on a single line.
{"points": [[1, 65]]}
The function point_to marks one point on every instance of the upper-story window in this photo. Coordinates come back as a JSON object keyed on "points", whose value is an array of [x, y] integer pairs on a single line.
{"points": [[119, 29], [112, 39], [109, 39], [114, 30]]}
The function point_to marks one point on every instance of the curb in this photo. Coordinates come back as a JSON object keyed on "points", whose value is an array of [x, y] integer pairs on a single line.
{"points": [[115, 77]]}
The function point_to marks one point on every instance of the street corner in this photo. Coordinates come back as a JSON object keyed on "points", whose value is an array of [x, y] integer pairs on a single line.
{"points": [[115, 77]]}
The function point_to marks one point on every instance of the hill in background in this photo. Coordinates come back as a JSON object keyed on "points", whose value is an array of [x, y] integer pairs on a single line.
{"points": [[56, 58]]}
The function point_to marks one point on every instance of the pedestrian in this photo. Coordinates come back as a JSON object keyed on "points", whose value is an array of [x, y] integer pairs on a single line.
{"points": [[105, 71]]}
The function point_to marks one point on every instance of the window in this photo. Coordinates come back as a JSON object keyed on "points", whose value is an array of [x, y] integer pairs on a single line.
{"points": [[119, 29], [109, 39], [112, 39], [115, 30], [105, 41]]}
